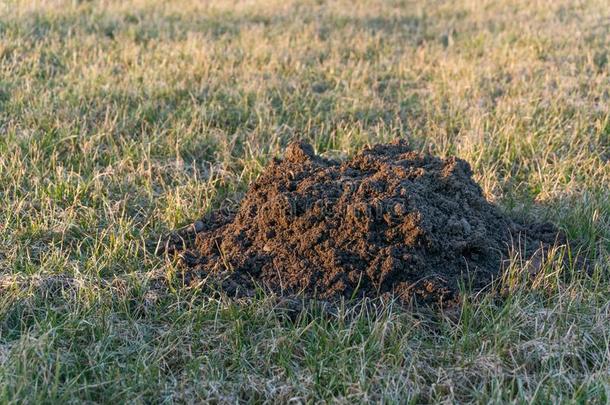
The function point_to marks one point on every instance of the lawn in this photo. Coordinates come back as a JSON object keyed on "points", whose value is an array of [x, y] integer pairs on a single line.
{"points": [[123, 120]]}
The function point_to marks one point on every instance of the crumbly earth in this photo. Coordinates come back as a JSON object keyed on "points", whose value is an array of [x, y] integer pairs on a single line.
{"points": [[389, 221]]}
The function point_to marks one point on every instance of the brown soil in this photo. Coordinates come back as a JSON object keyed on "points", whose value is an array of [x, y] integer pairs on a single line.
{"points": [[389, 221]]}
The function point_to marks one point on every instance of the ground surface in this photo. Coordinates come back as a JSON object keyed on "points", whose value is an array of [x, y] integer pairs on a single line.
{"points": [[120, 121]]}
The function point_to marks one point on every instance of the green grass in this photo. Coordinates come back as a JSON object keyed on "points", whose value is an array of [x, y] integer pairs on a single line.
{"points": [[122, 120]]}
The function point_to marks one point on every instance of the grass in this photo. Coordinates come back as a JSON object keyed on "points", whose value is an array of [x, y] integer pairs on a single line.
{"points": [[121, 120]]}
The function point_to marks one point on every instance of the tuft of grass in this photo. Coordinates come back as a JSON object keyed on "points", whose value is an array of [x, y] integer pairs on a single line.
{"points": [[122, 120]]}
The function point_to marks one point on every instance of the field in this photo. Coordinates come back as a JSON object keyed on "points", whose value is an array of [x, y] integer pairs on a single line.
{"points": [[123, 120]]}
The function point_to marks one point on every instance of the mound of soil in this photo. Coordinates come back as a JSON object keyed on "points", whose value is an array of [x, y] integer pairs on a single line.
{"points": [[388, 221]]}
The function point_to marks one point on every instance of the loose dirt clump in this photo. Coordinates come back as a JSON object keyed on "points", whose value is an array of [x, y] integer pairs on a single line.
{"points": [[389, 221]]}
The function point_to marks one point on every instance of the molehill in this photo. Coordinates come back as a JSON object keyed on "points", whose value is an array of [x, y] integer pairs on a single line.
{"points": [[388, 222]]}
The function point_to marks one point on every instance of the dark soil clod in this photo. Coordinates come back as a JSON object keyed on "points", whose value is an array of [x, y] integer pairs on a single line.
{"points": [[389, 221]]}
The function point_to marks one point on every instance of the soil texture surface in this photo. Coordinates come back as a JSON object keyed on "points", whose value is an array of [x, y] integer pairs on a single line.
{"points": [[388, 222]]}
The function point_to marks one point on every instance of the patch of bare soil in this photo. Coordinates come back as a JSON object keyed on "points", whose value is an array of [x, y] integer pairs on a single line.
{"points": [[389, 221]]}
